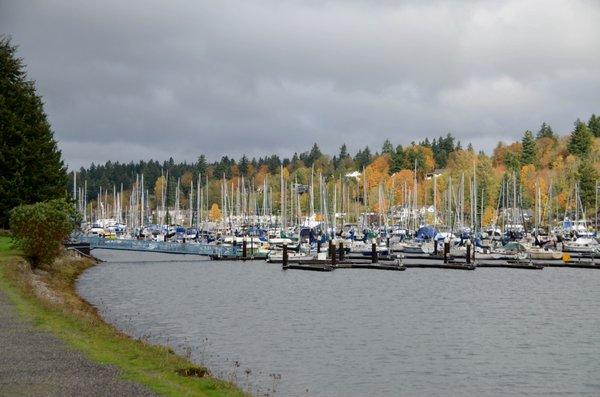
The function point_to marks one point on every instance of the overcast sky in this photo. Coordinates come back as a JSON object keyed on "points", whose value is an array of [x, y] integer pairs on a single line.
{"points": [[129, 80]]}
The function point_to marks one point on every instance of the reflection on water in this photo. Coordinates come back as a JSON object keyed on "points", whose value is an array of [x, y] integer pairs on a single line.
{"points": [[362, 332]]}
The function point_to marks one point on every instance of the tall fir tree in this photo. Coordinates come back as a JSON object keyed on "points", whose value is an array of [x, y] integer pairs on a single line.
{"points": [[581, 140], [202, 165], [587, 183], [398, 160], [545, 132], [594, 125], [387, 148], [529, 149], [315, 154], [343, 152], [243, 165], [31, 164], [363, 158]]}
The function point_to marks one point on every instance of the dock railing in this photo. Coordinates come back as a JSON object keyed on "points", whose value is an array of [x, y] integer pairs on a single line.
{"points": [[159, 246]]}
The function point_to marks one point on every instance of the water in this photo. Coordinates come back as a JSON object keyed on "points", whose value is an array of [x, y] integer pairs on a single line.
{"points": [[362, 332]]}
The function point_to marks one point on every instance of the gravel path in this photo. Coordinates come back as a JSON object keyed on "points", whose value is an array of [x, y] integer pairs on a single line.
{"points": [[36, 363]]}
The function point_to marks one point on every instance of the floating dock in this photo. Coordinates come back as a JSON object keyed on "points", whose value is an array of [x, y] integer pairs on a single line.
{"points": [[316, 267], [442, 265], [511, 265]]}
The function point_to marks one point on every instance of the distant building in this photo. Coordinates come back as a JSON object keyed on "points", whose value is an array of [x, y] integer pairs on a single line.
{"points": [[356, 175], [435, 173]]}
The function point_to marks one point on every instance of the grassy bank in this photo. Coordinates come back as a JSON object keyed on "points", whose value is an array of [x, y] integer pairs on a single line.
{"points": [[48, 297]]}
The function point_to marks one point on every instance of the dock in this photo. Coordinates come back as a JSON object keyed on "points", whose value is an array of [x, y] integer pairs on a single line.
{"points": [[315, 267], [160, 246], [441, 265], [511, 265]]}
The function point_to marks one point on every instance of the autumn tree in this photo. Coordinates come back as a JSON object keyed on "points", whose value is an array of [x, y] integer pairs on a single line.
{"points": [[421, 157], [159, 187], [215, 213]]}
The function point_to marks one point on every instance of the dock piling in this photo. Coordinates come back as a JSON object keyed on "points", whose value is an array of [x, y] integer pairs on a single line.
{"points": [[446, 249], [285, 255], [333, 253], [244, 248], [468, 251], [373, 252]]}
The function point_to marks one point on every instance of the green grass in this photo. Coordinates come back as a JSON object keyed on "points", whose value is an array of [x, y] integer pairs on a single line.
{"points": [[77, 324], [5, 244]]}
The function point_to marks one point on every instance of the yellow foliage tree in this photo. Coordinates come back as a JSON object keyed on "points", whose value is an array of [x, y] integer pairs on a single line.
{"points": [[398, 181], [378, 171], [158, 186], [489, 216], [186, 178], [215, 213]]}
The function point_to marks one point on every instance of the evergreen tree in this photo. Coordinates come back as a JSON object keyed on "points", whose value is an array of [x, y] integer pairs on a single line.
{"points": [[387, 148], [511, 161], [441, 149], [201, 165], [31, 164], [398, 160], [343, 152], [545, 132], [587, 183], [594, 125], [243, 165], [273, 162], [363, 158], [581, 140], [529, 150], [315, 154]]}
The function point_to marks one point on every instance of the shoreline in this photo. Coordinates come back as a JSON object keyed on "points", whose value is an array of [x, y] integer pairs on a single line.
{"points": [[49, 298]]}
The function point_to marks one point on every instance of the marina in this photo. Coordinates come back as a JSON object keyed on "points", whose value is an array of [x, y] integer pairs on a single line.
{"points": [[300, 198], [328, 224]]}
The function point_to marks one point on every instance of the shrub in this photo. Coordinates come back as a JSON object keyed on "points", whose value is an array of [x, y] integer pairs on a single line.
{"points": [[39, 229]]}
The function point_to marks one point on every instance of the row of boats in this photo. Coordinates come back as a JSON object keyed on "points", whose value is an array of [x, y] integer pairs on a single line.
{"points": [[312, 243]]}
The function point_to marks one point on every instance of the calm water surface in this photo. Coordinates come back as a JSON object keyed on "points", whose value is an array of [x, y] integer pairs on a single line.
{"points": [[362, 332]]}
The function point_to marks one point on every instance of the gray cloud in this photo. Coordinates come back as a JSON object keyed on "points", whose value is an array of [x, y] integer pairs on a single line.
{"points": [[131, 80]]}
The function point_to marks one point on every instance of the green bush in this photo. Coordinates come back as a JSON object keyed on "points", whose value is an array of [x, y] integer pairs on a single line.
{"points": [[39, 229]]}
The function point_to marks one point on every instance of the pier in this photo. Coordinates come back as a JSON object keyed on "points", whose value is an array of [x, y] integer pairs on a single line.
{"points": [[218, 251]]}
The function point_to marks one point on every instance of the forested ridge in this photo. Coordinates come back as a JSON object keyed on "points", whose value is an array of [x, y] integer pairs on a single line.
{"points": [[542, 161]]}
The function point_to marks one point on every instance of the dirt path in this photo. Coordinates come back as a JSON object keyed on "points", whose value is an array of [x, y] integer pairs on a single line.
{"points": [[36, 363]]}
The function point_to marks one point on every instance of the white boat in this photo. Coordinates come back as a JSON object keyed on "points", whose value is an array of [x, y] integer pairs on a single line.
{"points": [[543, 254], [277, 256], [359, 247], [413, 248], [581, 245]]}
